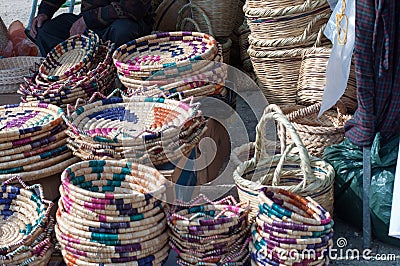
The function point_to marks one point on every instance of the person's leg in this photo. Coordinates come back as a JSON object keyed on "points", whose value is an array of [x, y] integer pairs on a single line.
{"points": [[122, 31], [54, 31]]}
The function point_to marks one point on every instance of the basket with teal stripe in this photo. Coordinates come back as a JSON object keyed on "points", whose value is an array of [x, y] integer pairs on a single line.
{"points": [[112, 212], [26, 224]]}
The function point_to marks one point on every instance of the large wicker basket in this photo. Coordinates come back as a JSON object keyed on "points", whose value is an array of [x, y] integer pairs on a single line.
{"points": [[312, 77], [301, 174]]}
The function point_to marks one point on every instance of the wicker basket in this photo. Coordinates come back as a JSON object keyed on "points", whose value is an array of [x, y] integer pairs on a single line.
{"points": [[226, 50], [278, 24], [222, 16], [244, 45], [310, 87], [317, 133], [313, 178], [273, 4], [13, 70]]}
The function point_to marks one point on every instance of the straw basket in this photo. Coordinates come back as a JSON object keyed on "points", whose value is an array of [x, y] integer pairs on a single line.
{"points": [[26, 224], [313, 178], [13, 70], [69, 57], [226, 50], [317, 133], [290, 224], [273, 4], [273, 24], [310, 87], [244, 33], [222, 16]]}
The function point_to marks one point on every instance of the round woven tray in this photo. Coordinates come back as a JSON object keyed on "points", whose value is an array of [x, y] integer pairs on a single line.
{"points": [[313, 178], [168, 51], [69, 57], [27, 119]]}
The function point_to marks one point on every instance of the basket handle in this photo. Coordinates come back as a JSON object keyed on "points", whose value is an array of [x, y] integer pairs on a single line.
{"points": [[274, 113], [181, 20], [314, 109], [36, 188]]}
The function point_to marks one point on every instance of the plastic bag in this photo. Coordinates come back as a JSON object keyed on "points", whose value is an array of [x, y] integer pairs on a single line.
{"points": [[394, 228], [338, 68], [347, 160]]}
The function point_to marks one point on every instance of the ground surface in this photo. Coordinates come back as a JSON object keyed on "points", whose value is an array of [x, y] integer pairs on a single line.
{"points": [[20, 9]]}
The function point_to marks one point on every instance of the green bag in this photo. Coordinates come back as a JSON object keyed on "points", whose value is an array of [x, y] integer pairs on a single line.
{"points": [[347, 160]]}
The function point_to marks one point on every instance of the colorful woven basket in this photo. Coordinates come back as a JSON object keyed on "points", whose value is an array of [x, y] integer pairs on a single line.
{"points": [[205, 232], [312, 79], [98, 77], [287, 228], [142, 129], [26, 224], [112, 212], [32, 141], [69, 57], [301, 174]]}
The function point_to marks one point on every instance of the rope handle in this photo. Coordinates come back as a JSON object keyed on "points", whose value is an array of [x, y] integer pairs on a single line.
{"points": [[180, 20], [314, 109], [273, 112], [36, 188]]}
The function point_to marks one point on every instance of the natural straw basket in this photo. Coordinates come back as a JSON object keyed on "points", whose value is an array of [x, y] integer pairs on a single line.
{"points": [[271, 24], [222, 16], [165, 14], [313, 178], [244, 33], [317, 133], [273, 4], [312, 78], [13, 70]]}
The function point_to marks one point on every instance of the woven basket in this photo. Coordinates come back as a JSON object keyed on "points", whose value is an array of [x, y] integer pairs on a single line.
{"points": [[167, 52], [313, 178], [222, 16], [13, 70], [166, 18], [69, 57], [287, 223], [272, 4], [226, 50], [317, 133], [203, 231], [26, 224], [310, 87], [272, 24]]}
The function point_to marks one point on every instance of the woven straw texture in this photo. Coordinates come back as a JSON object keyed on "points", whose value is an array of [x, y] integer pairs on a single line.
{"points": [[312, 79], [98, 76], [32, 141], [317, 133], [112, 212], [26, 224], [3, 35], [14, 69], [287, 222], [301, 174], [203, 232]]}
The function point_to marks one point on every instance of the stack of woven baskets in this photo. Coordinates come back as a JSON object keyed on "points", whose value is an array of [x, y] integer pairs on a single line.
{"points": [[290, 230], [112, 212], [26, 225], [32, 141], [76, 68], [171, 62], [276, 45], [147, 130], [210, 233]]}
